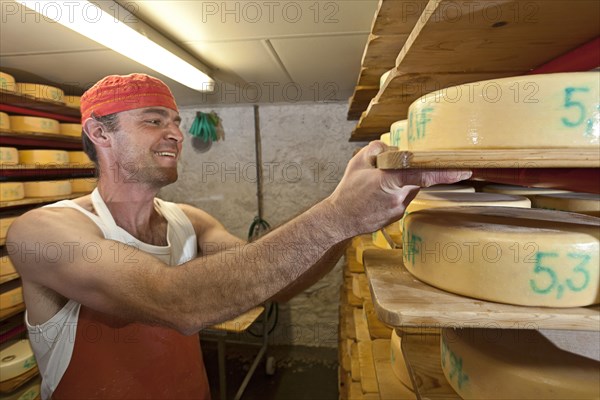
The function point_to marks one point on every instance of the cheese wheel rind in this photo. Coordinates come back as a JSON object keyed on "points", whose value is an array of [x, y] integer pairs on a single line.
{"points": [[398, 135], [397, 361], [384, 77], [7, 82], [41, 92], [511, 255], [43, 157], [514, 364], [385, 138], [4, 121], [5, 223], [20, 123], [16, 359], [79, 158], [47, 188], [535, 111], [584, 203], [73, 101], [83, 185], [6, 266], [9, 156], [70, 129], [10, 191]]}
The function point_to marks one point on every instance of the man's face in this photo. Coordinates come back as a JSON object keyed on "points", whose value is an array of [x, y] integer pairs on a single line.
{"points": [[147, 145]]}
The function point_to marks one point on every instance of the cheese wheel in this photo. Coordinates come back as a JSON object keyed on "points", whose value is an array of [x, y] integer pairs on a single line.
{"points": [[397, 361], [19, 123], [73, 101], [527, 257], [384, 78], [43, 157], [385, 138], [41, 92], [398, 135], [30, 391], [10, 191], [4, 121], [6, 266], [79, 158], [83, 185], [533, 111], [70, 129], [514, 364], [16, 360], [448, 189], [9, 156], [4, 225], [11, 298], [7, 82], [584, 203], [47, 188]]}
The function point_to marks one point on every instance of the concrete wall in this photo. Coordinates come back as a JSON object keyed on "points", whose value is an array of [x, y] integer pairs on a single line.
{"points": [[305, 150]]}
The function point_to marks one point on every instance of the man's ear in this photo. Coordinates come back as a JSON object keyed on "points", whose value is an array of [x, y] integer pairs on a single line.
{"points": [[96, 132]]}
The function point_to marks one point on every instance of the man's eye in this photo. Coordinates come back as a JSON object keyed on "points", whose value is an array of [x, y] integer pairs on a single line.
{"points": [[153, 121]]}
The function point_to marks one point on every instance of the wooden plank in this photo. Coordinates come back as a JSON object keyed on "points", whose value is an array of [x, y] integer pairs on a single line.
{"points": [[241, 322], [363, 287], [501, 158], [400, 300], [354, 363], [39, 200], [377, 329], [423, 360], [9, 312], [397, 17], [368, 378], [360, 324], [390, 388], [382, 50]]}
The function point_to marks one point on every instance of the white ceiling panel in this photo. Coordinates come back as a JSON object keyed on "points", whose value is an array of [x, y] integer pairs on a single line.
{"points": [[241, 20]]}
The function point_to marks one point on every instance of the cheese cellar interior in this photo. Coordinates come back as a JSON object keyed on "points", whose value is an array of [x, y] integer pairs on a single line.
{"points": [[366, 199]]}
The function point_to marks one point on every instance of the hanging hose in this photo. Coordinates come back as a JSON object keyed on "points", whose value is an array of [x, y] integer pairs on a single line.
{"points": [[207, 127]]}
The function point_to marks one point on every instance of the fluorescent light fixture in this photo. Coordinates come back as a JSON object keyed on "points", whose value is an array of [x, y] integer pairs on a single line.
{"points": [[103, 23]]}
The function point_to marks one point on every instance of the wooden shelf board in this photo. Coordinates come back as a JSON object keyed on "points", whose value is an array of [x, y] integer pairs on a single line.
{"points": [[33, 103], [450, 32], [423, 360], [9, 312], [39, 135], [502, 158], [39, 200], [9, 277], [402, 300], [240, 323]]}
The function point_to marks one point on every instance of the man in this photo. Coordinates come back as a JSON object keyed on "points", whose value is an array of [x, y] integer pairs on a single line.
{"points": [[113, 308]]}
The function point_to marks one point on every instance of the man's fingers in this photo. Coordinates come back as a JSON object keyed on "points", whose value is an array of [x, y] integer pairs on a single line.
{"points": [[393, 180], [368, 154]]}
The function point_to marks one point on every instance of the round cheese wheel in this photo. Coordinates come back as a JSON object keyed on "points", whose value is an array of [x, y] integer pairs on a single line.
{"points": [[4, 225], [83, 185], [72, 101], [9, 156], [6, 266], [44, 157], [584, 203], [11, 298], [533, 111], [4, 121], [19, 123], [514, 364], [30, 391], [385, 138], [384, 78], [10, 191], [397, 360], [16, 359], [80, 158], [70, 129], [448, 189], [511, 255], [41, 92], [7, 82], [398, 135], [47, 188]]}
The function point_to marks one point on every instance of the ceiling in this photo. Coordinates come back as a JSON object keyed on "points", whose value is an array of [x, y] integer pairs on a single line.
{"points": [[258, 51]]}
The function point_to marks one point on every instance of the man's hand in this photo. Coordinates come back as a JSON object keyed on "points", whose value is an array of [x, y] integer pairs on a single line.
{"points": [[369, 198]]}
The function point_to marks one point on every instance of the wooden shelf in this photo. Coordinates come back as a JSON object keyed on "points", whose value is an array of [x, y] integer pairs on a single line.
{"points": [[9, 312], [455, 42], [52, 172], [55, 110], [39, 140], [9, 277], [503, 158], [38, 200], [402, 300]]}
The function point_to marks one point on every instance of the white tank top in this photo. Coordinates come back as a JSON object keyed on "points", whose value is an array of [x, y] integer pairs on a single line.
{"points": [[52, 342]]}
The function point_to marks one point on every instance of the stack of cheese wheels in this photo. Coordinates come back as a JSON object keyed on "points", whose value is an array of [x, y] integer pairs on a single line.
{"points": [[9, 156], [583, 203], [385, 138], [546, 111], [41, 92], [29, 391], [79, 158], [529, 192], [514, 364], [44, 157], [73, 101], [398, 135], [16, 360], [527, 257], [7, 268], [384, 78], [5, 223], [10, 191], [397, 360], [47, 188], [20, 123], [7, 82], [70, 129], [83, 185], [4, 122]]}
